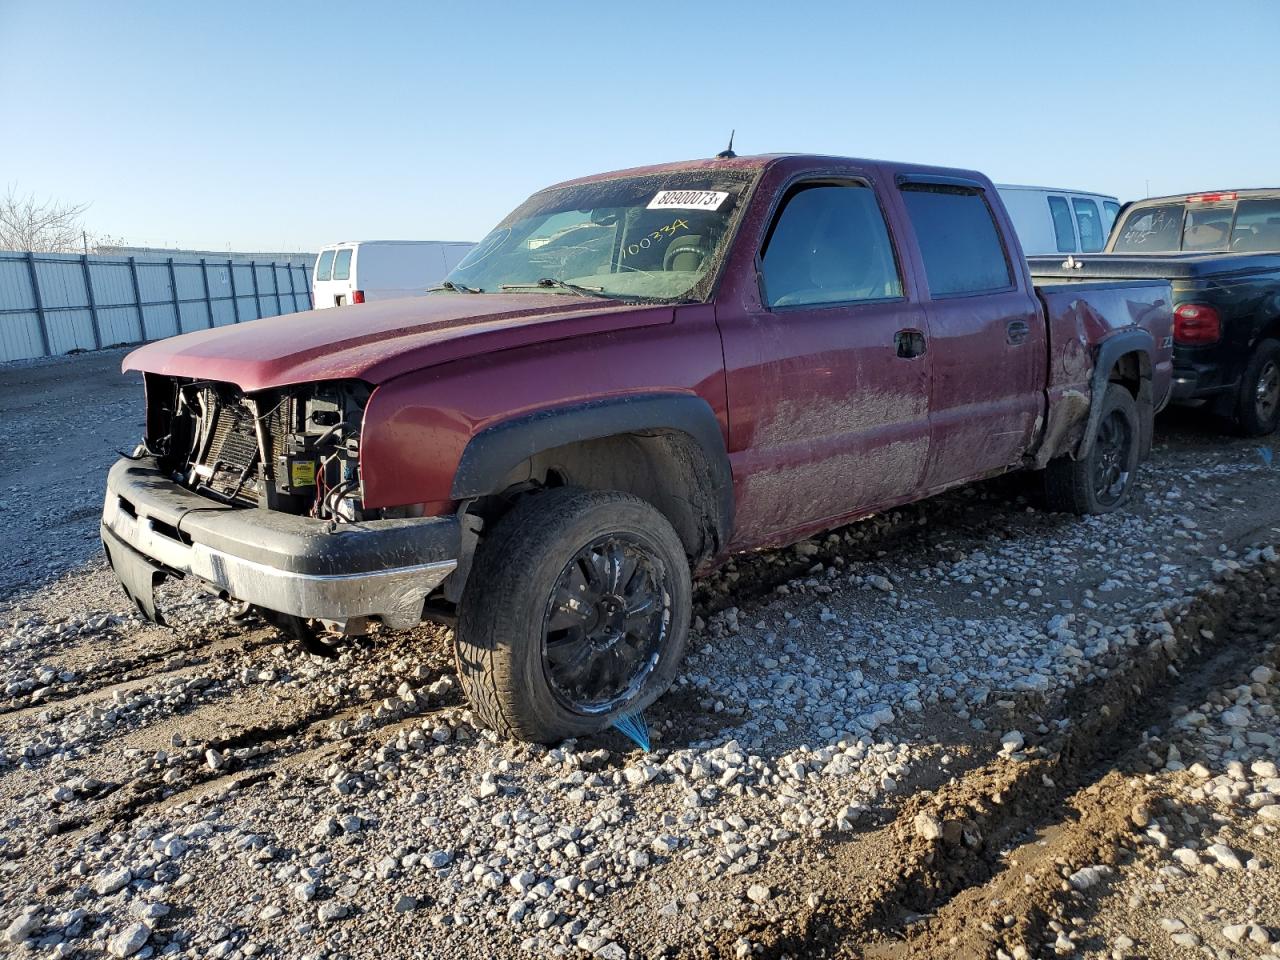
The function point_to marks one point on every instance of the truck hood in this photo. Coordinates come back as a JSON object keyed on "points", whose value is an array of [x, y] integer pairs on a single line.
{"points": [[376, 342]]}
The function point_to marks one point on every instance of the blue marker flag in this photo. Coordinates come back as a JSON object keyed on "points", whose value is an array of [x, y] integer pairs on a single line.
{"points": [[634, 726], [1266, 453]]}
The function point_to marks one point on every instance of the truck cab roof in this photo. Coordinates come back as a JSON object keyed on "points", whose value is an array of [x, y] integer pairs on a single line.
{"points": [[1209, 195], [759, 162]]}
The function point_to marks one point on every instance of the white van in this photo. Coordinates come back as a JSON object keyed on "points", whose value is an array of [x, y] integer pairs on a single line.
{"points": [[363, 270], [1059, 221]]}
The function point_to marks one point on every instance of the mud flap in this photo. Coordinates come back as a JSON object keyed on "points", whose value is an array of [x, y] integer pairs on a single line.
{"points": [[139, 577]]}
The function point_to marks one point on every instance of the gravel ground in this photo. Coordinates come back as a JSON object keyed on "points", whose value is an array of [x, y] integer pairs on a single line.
{"points": [[908, 737]]}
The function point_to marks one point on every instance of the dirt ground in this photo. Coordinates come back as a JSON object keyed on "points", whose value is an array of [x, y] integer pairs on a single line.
{"points": [[968, 728]]}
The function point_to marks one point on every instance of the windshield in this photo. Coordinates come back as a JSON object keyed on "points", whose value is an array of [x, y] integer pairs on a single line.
{"points": [[658, 237]]}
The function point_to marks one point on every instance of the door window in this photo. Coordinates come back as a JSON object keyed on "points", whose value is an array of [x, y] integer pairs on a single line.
{"points": [[829, 244], [1207, 226], [342, 265], [1064, 231], [1150, 229], [1257, 226], [958, 238], [1110, 210], [1090, 224], [324, 266]]}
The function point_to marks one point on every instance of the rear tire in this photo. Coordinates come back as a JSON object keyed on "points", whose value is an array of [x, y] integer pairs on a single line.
{"points": [[1103, 480], [576, 612], [1257, 410]]}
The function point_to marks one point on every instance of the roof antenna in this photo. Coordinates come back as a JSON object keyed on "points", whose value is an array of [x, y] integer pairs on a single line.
{"points": [[727, 153]]}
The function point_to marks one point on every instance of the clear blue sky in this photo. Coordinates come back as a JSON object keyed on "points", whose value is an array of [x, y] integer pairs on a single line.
{"points": [[288, 125]]}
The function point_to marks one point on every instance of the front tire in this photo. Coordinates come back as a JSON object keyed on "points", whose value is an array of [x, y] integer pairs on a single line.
{"points": [[576, 612], [1258, 403], [1103, 480]]}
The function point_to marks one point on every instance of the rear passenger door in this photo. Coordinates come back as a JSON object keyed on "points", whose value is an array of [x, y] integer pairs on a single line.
{"points": [[987, 339]]}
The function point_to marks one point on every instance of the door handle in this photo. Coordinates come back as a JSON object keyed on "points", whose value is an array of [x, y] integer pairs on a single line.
{"points": [[1017, 332], [909, 343]]}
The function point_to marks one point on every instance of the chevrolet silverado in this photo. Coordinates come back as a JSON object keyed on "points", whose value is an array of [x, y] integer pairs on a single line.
{"points": [[632, 377]]}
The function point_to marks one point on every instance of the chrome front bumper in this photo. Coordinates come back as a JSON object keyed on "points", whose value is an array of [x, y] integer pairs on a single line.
{"points": [[153, 528]]}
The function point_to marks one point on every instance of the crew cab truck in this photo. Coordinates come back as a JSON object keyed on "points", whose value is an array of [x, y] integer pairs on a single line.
{"points": [[632, 377], [1221, 251]]}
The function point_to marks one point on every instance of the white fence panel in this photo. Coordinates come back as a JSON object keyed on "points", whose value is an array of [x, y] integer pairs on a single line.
{"points": [[194, 314], [153, 282], [158, 321], [20, 337], [190, 277], [112, 283], [15, 286], [61, 284], [56, 303], [224, 312], [69, 330], [119, 325]]}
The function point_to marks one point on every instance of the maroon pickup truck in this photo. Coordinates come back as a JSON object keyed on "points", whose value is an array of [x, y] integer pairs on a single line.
{"points": [[632, 377]]}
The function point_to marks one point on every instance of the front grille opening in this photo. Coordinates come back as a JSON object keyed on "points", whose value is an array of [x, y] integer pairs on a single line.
{"points": [[170, 531], [127, 507], [230, 464], [295, 449]]}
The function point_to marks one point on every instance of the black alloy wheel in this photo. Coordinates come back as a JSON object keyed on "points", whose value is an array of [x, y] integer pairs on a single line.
{"points": [[1266, 393], [575, 614], [606, 624], [1102, 478], [1111, 462], [1257, 403]]}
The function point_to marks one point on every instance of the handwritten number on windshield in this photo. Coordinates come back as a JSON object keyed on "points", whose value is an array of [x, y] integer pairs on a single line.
{"points": [[665, 232]]}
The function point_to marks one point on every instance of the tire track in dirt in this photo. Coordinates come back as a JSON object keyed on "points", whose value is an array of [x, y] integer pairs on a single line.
{"points": [[222, 682], [938, 866], [115, 675], [255, 750], [160, 754], [1101, 820]]}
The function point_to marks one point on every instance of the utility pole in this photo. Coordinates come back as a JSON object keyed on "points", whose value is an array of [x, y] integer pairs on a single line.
{"points": [[84, 237]]}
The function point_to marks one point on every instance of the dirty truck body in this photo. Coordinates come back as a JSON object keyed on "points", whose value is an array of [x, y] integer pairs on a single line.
{"points": [[631, 378]]}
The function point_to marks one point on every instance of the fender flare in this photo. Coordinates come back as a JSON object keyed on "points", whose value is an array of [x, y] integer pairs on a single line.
{"points": [[1137, 341], [495, 451], [1266, 320]]}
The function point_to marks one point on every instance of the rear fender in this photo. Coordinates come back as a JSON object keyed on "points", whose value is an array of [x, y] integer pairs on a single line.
{"points": [[1109, 353]]}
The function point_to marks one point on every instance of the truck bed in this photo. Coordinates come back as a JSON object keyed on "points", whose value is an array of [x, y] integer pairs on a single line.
{"points": [[1241, 288], [1085, 311], [1171, 266]]}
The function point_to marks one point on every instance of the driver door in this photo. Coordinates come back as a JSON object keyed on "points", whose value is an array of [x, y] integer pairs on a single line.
{"points": [[828, 378]]}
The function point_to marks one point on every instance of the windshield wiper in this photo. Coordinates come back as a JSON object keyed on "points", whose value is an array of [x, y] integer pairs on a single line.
{"points": [[555, 282], [455, 287]]}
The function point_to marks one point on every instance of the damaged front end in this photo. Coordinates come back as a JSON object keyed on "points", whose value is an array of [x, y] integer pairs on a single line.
{"points": [[259, 496], [295, 450]]}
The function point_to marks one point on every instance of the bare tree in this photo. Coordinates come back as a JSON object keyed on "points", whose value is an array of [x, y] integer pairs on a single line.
{"points": [[41, 226]]}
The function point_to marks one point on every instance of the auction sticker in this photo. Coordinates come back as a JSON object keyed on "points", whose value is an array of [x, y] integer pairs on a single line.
{"points": [[688, 200]]}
